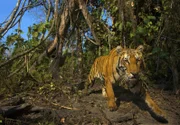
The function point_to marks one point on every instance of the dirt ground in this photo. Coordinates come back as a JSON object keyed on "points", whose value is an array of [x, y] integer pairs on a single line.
{"points": [[67, 108]]}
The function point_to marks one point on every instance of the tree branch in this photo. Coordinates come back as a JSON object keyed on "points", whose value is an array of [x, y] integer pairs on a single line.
{"points": [[66, 7], [88, 19], [16, 15], [11, 17], [16, 71], [91, 40], [49, 9]]}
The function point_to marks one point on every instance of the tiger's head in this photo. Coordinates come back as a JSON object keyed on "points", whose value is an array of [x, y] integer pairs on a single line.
{"points": [[130, 62]]}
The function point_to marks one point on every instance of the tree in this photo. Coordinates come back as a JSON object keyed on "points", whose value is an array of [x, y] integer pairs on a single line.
{"points": [[95, 26]]}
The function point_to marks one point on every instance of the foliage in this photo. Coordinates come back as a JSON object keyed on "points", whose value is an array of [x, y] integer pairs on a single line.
{"points": [[153, 23]]}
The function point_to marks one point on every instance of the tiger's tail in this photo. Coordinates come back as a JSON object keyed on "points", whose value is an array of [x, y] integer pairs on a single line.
{"points": [[155, 111]]}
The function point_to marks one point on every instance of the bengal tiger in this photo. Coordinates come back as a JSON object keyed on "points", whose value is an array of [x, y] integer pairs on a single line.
{"points": [[123, 64]]}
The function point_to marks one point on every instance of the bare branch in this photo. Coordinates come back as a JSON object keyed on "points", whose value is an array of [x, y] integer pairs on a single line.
{"points": [[17, 15], [22, 54], [15, 20], [91, 40], [88, 19], [49, 9], [16, 71], [56, 15], [11, 17]]}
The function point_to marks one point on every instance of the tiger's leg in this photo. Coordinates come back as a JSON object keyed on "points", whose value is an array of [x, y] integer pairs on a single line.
{"points": [[156, 112], [110, 96]]}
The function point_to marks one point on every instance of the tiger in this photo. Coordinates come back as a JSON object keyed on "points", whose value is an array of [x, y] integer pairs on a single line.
{"points": [[123, 64]]}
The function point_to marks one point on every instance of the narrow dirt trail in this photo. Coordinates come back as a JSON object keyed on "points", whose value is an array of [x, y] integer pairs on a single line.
{"points": [[57, 108]]}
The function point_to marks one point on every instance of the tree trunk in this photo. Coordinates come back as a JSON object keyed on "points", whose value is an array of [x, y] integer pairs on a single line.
{"points": [[80, 54], [58, 42], [121, 4], [133, 18], [175, 74], [64, 18]]}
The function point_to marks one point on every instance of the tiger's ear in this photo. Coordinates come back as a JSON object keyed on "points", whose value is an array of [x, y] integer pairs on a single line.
{"points": [[119, 49], [140, 48]]}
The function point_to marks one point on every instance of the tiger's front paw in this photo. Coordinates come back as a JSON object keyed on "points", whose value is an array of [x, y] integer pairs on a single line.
{"points": [[104, 93], [112, 106]]}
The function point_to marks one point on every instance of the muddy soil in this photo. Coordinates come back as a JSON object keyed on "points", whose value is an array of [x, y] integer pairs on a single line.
{"points": [[67, 108]]}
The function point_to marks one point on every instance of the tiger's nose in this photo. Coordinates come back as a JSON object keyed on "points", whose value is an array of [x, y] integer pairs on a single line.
{"points": [[134, 74]]}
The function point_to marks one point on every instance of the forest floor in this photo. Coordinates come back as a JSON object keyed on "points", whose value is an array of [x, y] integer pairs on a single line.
{"points": [[67, 108]]}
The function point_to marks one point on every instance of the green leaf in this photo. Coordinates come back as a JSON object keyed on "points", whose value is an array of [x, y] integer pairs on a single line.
{"points": [[132, 34], [141, 30], [120, 27], [11, 39], [116, 24], [146, 20], [47, 25], [41, 27], [114, 9], [19, 31], [156, 50], [151, 17], [102, 13], [129, 24], [35, 34], [164, 55]]}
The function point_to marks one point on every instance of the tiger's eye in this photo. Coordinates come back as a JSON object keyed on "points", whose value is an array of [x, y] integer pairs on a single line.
{"points": [[125, 59], [123, 68]]}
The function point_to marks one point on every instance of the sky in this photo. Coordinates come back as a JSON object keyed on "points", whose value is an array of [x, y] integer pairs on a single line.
{"points": [[6, 7], [29, 18]]}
